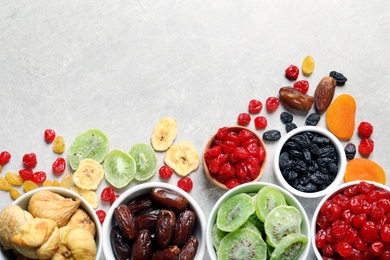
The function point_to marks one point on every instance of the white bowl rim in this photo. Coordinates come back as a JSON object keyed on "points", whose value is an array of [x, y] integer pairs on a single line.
{"points": [[62, 191], [329, 195], [255, 185], [340, 152], [149, 185]]}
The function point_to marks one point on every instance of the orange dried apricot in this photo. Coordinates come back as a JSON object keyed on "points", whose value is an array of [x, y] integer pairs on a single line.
{"points": [[340, 116], [364, 169]]}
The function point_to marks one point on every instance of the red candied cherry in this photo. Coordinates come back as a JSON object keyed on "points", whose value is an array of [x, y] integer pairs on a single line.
{"points": [[260, 122], [369, 232], [165, 172], [385, 232], [243, 119], [231, 183], [320, 238], [255, 106], [4, 157], [332, 211], [322, 221], [351, 235], [244, 135], [222, 132], [366, 146], [215, 151], [29, 160], [39, 177], [358, 220], [185, 184], [339, 228], [49, 135], [107, 193], [302, 86], [328, 250], [365, 129], [344, 248], [366, 187], [272, 103], [292, 72], [58, 166], [376, 248], [26, 174], [241, 152], [101, 215]]}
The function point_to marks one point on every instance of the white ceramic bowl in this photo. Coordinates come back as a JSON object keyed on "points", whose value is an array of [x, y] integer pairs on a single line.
{"points": [[254, 187], [144, 188], [335, 191], [23, 201], [342, 161]]}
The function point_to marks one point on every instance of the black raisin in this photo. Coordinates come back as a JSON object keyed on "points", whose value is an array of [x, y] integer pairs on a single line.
{"points": [[286, 117], [271, 135], [350, 151], [313, 119], [290, 126], [339, 77]]}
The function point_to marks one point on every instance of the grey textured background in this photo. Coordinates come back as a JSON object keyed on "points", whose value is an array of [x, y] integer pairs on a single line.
{"points": [[121, 66]]}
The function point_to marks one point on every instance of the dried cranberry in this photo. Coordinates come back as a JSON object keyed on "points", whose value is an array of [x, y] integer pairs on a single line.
{"points": [[101, 215], [365, 129], [26, 174], [344, 248], [59, 166], [366, 146], [292, 72], [369, 232], [29, 160], [320, 238], [302, 86], [260, 122], [359, 220], [376, 248], [185, 184], [241, 152], [385, 232], [222, 132], [366, 187], [272, 103], [39, 177], [107, 194], [165, 172], [243, 119], [49, 135], [4, 157], [231, 183], [255, 106], [244, 135]]}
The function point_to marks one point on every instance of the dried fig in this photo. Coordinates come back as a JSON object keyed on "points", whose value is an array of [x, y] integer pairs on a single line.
{"points": [[11, 218], [50, 205], [324, 93], [81, 219]]}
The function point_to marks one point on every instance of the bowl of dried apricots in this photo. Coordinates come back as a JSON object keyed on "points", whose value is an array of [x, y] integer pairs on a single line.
{"points": [[233, 156]]}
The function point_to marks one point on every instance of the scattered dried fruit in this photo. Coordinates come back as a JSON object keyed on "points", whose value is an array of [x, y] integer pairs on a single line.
{"points": [[295, 99], [4, 185], [59, 144], [14, 178], [302, 86], [324, 94], [58, 166], [364, 169], [312, 119], [29, 160], [88, 175], [365, 129], [4, 157], [67, 181], [182, 158], [255, 106], [292, 72], [164, 133], [350, 151], [49, 135], [340, 116], [243, 119], [29, 185], [185, 184], [15, 194], [271, 135], [308, 65], [272, 103], [339, 77], [260, 122], [366, 146], [165, 172]]}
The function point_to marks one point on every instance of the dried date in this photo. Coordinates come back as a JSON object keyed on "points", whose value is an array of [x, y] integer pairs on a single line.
{"points": [[188, 252], [165, 226], [171, 199], [185, 224], [295, 99], [169, 253], [140, 203], [126, 221], [324, 93], [142, 246], [147, 219], [121, 247]]}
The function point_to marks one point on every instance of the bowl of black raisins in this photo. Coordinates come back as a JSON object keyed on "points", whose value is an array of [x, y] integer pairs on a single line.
{"points": [[309, 162]]}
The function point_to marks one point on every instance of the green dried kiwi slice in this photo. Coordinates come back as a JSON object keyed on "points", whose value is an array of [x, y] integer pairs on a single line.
{"points": [[234, 212], [92, 144], [216, 236], [145, 159], [119, 168], [290, 247], [243, 244], [266, 200], [251, 226], [280, 222]]}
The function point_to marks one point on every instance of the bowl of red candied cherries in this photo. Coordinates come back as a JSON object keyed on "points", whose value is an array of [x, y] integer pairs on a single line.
{"points": [[353, 222], [233, 156]]}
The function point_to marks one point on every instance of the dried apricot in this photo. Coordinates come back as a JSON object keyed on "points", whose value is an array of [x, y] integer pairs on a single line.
{"points": [[14, 193], [29, 185], [364, 169], [340, 116], [308, 65], [14, 178], [4, 185]]}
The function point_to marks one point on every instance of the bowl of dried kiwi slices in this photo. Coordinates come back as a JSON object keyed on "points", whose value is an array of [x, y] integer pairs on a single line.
{"points": [[258, 221], [309, 162]]}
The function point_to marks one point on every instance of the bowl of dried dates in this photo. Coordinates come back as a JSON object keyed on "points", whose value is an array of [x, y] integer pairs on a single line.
{"points": [[154, 221], [352, 222], [50, 223], [233, 156], [258, 220], [309, 162]]}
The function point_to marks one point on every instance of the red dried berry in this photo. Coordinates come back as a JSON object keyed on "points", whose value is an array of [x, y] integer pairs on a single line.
{"points": [[243, 119], [231, 183], [165, 172], [365, 129], [344, 248], [49, 135], [292, 72], [101, 215], [272, 103], [29, 160], [366, 146], [4, 157], [26, 174], [222, 132], [39, 177], [302, 86], [113, 199], [58, 166], [260, 122], [185, 184], [255, 106], [107, 194]]}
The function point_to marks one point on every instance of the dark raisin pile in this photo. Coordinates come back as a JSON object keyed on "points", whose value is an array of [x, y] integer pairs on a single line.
{"points": [[308, 161]]}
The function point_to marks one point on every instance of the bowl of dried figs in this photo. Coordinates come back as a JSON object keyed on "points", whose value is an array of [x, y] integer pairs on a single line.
{"points": [[154, 221], [258, 221], [50, 223], [309, 162], [233, 156]]}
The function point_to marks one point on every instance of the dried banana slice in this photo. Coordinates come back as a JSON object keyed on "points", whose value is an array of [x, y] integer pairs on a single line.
{"points": [[164, 134], [88, 175], [89, 195], [182, 158]]}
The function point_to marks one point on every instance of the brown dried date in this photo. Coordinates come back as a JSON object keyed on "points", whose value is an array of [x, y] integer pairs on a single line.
{"points": [[185, 224], [188, 252], [142, 246], [324, 93], [126, 221], [169, 253], [147, 219], [170, 199], [295, 99], [165, 227], [121, 247], [140, 203]]}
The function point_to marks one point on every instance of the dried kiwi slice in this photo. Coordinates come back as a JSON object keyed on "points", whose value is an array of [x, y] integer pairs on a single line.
{"points": [[146, 161], [243, 244], [119, 168], [266, 200], [216, 236], [290, 247], [234, 212]]}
